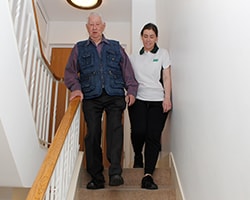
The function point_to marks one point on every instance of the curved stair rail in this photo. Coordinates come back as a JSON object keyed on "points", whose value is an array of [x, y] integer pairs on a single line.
{"points": [[41, 83]]}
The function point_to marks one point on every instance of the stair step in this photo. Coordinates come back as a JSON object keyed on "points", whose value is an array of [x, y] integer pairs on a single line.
{"points": [[126, 194], [132, 177], [131, 189]]}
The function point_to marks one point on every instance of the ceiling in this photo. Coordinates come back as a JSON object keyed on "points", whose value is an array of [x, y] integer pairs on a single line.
{"points": [[111, 10]]}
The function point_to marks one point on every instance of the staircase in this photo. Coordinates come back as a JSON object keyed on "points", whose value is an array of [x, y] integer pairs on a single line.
{"points": [[131, 189]]}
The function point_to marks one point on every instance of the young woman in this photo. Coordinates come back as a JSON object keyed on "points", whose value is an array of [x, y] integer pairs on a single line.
{"points": [[149, 112]]}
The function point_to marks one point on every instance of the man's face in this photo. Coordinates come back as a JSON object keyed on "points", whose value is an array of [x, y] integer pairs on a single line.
{"points": [[95, 27]]}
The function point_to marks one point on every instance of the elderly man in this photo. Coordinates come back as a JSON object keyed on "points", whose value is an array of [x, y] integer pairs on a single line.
{"points": [[100, 72]]}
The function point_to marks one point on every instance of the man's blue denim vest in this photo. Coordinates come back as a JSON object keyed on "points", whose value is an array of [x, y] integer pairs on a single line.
{"points": [[98, 73]]}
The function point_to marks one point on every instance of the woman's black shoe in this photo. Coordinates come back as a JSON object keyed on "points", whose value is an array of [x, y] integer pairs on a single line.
{"points": [[148, 183]]}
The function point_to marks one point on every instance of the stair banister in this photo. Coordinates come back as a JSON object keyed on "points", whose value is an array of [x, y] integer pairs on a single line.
{"points": [[54, 177]]}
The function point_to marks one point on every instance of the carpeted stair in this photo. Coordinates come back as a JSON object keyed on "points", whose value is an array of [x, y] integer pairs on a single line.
{"points": [[131, 190]]}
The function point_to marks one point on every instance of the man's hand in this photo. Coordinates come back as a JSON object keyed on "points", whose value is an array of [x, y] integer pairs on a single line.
{"points": [[76, 93], [130, 99]]}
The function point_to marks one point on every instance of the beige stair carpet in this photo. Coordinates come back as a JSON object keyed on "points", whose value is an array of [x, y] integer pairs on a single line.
{"points": [[131, 189]]}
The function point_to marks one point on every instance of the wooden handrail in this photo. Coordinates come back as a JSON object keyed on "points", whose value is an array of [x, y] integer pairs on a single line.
{"points": [[41, 182]]}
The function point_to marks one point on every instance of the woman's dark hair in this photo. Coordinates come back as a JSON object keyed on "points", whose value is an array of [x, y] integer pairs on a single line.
{"points": [[150, 26]]}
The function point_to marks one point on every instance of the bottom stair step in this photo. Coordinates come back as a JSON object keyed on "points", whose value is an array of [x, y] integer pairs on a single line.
{"points": [[131, 189]]}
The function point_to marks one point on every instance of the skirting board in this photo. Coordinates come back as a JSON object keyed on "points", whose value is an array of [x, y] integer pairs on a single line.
{"points": [[176, 179]]}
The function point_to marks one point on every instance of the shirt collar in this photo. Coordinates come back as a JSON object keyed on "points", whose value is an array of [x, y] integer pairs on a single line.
{"points": [[154, 50], [103, 40]]}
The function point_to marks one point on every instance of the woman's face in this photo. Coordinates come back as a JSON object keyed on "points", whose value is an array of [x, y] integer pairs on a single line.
{"points": [[149, 39]]}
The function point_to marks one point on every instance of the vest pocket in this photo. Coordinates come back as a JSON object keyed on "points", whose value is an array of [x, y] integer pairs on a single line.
{"points": [[87, 82], [86, 60], [113, 59], [116, 79]]}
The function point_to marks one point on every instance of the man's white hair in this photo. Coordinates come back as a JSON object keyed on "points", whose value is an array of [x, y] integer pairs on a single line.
{"points": [[96, 14]]}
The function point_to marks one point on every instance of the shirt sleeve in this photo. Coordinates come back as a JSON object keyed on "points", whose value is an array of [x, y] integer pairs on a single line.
{"points": [[166, 59], [131, 85], [71, 74]]}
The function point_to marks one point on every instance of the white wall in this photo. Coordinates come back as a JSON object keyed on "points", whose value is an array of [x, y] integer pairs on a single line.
{"points": [[209, 43], [143, 11]]}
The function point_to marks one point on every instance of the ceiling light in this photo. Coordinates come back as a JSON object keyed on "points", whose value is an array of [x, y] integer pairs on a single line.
{"points": [[85, 4]]}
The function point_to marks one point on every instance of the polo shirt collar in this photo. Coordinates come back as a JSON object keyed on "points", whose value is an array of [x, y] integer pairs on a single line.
{"points": [[154, 50]]}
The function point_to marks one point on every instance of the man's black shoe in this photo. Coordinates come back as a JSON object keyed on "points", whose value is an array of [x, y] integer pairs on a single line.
{"points": [[148, 183], [116, 180], [94, 185]]}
